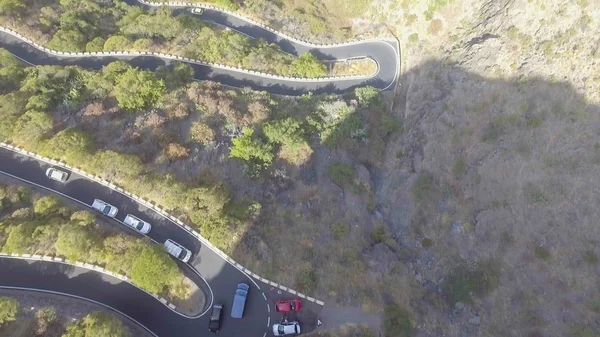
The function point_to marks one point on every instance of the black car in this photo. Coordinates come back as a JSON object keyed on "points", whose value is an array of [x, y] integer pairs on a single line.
{"points": [[215, 318]]}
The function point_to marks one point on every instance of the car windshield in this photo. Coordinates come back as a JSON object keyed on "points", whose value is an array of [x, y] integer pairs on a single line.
{"points": [[182, 254], [216, 313], [106, 209], [292, 306], [138, 225], [281, 329]]}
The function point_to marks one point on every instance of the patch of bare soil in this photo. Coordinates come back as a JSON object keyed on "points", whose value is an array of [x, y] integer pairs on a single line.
{"points": [[194, 302]]}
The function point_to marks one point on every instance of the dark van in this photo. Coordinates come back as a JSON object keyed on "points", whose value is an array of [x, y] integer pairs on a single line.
{"points": [[239, 300]]}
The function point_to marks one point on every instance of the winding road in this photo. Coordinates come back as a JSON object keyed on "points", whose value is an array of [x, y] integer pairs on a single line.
{"points": [[385, 53], [217, 277]]}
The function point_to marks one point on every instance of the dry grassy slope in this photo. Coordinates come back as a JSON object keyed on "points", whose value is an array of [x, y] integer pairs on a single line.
{"points": [[500, 100]]}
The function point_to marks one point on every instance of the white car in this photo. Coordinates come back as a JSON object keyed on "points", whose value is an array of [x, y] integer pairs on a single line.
{"points": [[137, 224], [177, 250], [104, 208], [286, 329], [197, 10], [56, 174]]}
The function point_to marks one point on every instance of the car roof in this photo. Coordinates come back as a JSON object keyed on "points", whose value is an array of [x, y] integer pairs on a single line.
{"points": [[56, 173], [173, 247]]}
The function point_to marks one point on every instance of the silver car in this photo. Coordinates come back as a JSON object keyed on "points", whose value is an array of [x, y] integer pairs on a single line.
{"points": [[105, 208], [56, 174], [137, 224], [286, 329], [177, 250]]}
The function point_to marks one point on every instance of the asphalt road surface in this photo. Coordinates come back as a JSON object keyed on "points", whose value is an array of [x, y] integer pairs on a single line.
{"points": [[385, 53], [221, 277]]}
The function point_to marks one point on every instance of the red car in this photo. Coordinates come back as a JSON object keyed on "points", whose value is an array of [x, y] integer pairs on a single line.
{"points": [[288, 305]]}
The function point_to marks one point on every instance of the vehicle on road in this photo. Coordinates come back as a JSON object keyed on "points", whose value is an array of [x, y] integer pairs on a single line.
{"points": [[56, 174], [286, 329], [198, 10], [239, 300], [177, 250], [288, 305], [214, 324], [105, 208], [137, 224]]}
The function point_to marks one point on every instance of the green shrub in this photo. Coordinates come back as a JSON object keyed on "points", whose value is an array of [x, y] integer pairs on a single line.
{"points": [[44, 318], [341, 174], [153, 269], [100, 324], [19, 239], [306, 280], [96, 45], [422, 189], [458, 169], [250, 149], [542, 253], [116, 43], [397, 322], [340, 230], [75, 241], [591, 257], [379, 234], [46, 205], [137, 89], [465, 281], [8, 309]]}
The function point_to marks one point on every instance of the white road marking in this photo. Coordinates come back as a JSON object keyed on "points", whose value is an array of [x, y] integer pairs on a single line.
{"points": [[268, 307], [265, 296], [81, 298], [268, 321]]}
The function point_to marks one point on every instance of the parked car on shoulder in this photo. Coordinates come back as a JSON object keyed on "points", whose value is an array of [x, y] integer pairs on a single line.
{"points": [[214, 324], [239, 300], [137, 224], [177, 250], [57, 175], [105, 208], [286, 329], [288, 305]]}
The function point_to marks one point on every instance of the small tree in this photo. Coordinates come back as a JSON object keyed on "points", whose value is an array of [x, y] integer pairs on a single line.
{"points": [[248, 148], [8, 309], [307, 65], [45, 205], [137, 89], [154, 269], [96, 45], [98, 324], [116, 43], [284, 131], [83, 218], [75, 241], [44, 318]]}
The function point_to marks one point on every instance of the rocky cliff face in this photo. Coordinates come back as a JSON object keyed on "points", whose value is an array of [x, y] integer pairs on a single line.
{"points": [[493, 185]]}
